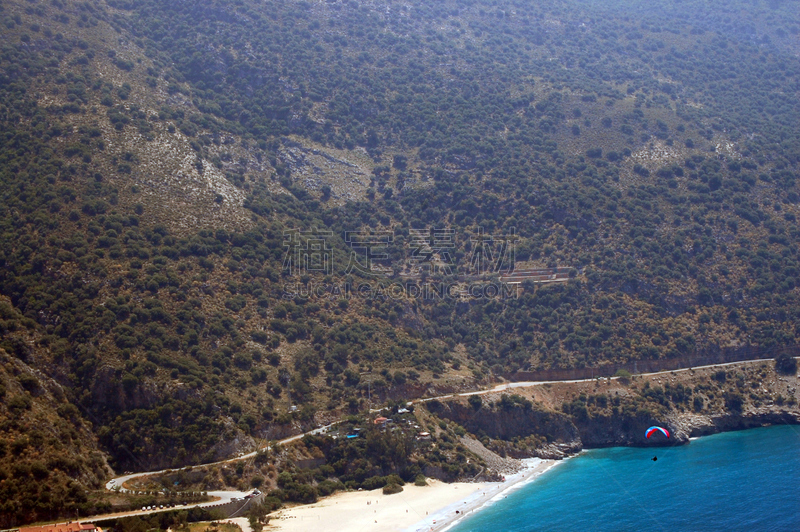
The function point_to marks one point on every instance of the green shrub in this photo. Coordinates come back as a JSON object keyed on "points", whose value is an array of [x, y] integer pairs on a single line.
{"points": [[785, 364], [390, 489], [624, 376]]}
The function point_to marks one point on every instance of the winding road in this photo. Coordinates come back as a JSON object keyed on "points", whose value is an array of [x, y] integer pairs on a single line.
{"points": [[221, 497], [227, 496]]}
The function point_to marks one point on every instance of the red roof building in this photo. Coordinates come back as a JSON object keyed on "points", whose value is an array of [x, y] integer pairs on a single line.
{"points": [[72, 526]]}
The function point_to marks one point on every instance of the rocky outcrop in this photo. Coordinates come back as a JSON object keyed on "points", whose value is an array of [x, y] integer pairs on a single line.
{"points": [[557, 451], [494, 462], [624, 431], [693, 425], [498, 423], [565, 435], [231, 446]]}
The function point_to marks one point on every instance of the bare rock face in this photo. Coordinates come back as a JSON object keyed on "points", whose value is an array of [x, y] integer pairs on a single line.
{"points": [[695, 425], [346, 173], [510, 423], [626, 431], [558, 451], [107, 389], [495, 462], [231, 446], [565, 435]]}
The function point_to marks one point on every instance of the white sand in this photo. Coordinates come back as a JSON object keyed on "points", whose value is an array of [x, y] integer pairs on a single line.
{"points": [[432, 508], [491, 492], [350, 511]]}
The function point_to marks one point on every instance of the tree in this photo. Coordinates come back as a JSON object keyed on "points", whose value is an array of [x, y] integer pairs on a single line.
{"points": [[785, 364], [326, 192], [258, 516], [734, 402], [697, 403], [475, 402], [624, 376]]}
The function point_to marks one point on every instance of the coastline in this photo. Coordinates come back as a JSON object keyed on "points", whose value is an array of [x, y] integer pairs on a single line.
{"points": [[446, 519], [372, 511], [450, 516], [720, 474], [436, 507], [685, 426]]}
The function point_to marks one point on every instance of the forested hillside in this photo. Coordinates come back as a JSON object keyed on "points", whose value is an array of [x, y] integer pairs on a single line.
{"points": [[162, 161]]}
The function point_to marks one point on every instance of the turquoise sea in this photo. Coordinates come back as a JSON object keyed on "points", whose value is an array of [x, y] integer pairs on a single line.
{"points": [[748, 481]]}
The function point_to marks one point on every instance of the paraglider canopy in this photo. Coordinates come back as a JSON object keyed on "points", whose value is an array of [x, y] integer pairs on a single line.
{"points": [[651, 430]]}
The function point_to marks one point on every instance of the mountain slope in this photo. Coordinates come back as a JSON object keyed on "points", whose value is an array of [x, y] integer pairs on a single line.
{"points": [[162, 162]]}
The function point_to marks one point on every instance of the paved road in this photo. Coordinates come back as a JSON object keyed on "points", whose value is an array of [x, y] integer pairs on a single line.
{"points": [[221, 496], [527, 384], [226, 496]]}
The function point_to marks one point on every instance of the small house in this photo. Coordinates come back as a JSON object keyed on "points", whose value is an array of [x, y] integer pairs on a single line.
{"points": [[70, 526]]}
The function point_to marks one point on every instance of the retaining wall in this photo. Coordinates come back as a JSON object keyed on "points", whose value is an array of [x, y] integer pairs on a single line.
{"points": [[701, 358], [235, 508]]}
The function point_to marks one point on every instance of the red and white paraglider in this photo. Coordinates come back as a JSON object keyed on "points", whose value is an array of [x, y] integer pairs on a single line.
{"points": [[653, 430], [649, 432]]}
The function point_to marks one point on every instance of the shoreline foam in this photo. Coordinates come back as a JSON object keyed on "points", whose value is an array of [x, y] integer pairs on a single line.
{"points": [[434, 508], [372, 511], [446, 518]]}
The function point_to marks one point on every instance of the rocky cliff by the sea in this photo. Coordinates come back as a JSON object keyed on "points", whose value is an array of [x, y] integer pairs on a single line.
{"points": [[554, 421]]}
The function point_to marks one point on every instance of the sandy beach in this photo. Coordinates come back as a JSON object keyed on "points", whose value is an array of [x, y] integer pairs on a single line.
{"points": [[490, 492], [372, 511], [431, 508]]}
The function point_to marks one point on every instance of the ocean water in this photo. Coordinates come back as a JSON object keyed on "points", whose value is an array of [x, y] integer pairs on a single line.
{"points": [[747, 480]]}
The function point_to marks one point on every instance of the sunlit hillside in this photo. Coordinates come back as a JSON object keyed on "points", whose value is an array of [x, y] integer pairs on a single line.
{"points": [[224, 221]]}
